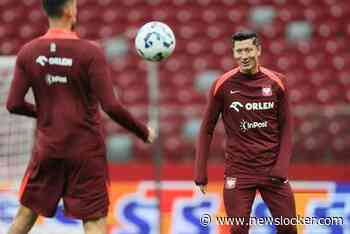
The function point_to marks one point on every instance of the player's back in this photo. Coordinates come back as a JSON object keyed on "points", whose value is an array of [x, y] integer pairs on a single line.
{"points": [[58, 66]]}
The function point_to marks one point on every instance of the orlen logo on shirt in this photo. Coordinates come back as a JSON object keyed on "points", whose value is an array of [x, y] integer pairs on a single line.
{"points": [[245, 125], [66, 62], [50, 79], [252, 106]]}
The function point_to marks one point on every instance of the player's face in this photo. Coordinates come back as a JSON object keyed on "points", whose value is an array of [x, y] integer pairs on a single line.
{"points": [[247, 55]]}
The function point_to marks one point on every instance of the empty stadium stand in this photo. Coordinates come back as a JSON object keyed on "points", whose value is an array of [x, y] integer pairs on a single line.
{"points": [[305, 39]]}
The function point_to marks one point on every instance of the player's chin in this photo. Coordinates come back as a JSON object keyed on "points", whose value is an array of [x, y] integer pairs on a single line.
{"points": [[246, 67]]}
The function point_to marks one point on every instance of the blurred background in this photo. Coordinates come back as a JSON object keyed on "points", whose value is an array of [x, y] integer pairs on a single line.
{"points": [[308, 40]]}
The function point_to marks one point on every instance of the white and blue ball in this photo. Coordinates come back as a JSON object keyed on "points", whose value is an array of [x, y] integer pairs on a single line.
{"points": [[155, 41]]}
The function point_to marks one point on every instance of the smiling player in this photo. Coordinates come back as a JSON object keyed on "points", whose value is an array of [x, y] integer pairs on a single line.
{"points": [[254, 104]]}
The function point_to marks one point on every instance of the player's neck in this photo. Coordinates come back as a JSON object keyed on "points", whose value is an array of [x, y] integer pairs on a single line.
{"points": [[60, 24]]}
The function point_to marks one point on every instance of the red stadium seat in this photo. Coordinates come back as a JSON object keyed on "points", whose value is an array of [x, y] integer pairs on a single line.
{"points": [[289, 12], [174, 149], [309, 47], [112, 15], [315, 13], [7, 31], [272, 31], [10, 46], [338, 126], [36, 16], [328, 29], [238, 13], [321, 78], [340, 147], [26, 32], [312, 147], [343, 78], [335, 46], [315, 61], [329, 95], [303, 95]]}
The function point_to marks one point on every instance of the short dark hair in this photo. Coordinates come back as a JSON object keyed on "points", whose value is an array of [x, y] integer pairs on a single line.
{"points": [[54, 8], [245, 35]]}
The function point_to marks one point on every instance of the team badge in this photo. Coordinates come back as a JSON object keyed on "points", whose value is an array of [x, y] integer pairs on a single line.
{"points": [[230, 182], [266, 91]]}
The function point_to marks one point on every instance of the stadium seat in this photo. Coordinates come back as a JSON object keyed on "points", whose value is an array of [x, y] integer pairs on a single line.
{"points": [[303, 95], [328, 29], [238, 13], [314, 13], [338, 126], [335, 45], [174, 149], [312, 148], [343, 78], [272, 31], [340, 148], [10, 46], [7, 32], [321, 78]]}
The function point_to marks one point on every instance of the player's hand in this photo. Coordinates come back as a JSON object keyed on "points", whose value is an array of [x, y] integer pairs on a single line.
{"points": [[278, 180], [202, 188], [151, 135]]}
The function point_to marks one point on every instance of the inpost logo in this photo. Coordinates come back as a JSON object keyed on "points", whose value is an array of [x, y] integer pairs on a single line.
{"points": [[245, 125], [50, 79]]}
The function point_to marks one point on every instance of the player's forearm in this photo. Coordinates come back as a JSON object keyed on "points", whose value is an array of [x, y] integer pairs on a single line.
{"points": [[22, 108], [280, 169], [202, 154], [120, 115], [210, 119]]}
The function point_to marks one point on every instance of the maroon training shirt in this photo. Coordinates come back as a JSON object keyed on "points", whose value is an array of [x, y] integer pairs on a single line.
{"points": [[69, 78], [256, 114]]}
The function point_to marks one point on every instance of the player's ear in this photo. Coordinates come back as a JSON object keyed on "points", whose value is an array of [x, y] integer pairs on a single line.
{"points": [[233, 50], [259, 49], [68, 10]]}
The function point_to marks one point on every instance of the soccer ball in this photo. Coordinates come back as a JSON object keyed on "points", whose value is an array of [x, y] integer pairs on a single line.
{"points": [[155, 41]]}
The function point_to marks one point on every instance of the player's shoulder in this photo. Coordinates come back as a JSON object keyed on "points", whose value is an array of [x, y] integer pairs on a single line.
{"points": [[27, 49], [92, 45], [277, 77], [92, 48], [39, 41], [218, 83]]}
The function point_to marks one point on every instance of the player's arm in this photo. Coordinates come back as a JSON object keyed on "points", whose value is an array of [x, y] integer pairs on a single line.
{"points": [[280, 169], [16, 103], [204, 139], [102, 86]]}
